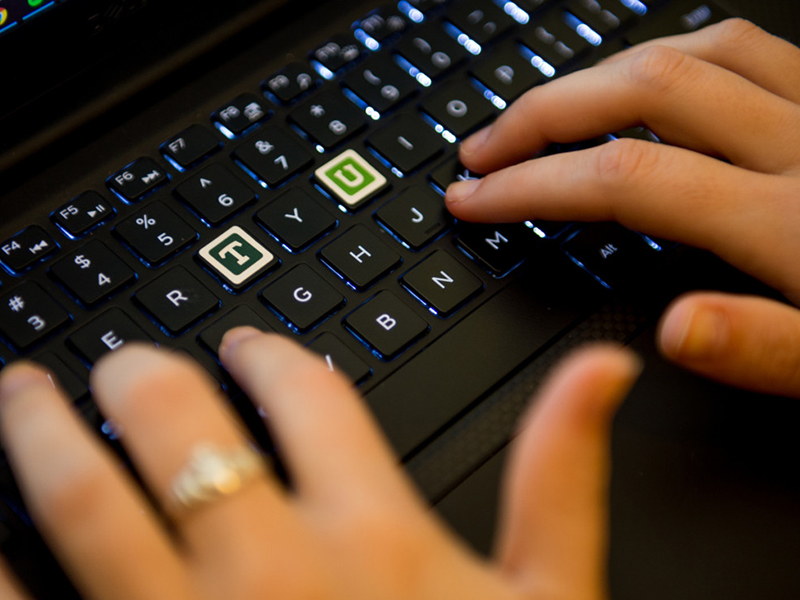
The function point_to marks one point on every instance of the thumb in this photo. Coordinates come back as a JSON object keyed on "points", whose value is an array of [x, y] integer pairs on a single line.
{"points": [[745, 341]]}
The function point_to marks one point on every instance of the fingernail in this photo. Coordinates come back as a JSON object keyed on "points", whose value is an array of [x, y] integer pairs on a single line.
{"points": [[461, 190], [474, 142], [20, 376], [694, 332], [236, 336]]}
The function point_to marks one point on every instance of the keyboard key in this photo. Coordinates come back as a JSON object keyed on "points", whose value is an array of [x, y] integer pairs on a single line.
{"points": [[360, 257], [211, 337], [431, 50], [237, 258], [28, 315], [177, 300], [92, 273], [302, 298], [498, 248], [383, 23], [380, 83], [407, 142], [442, 283], [155, 233], [273, 156], [26, 248], [138, 179], [340, 358], [416, 216], [82, 213], [296, 219], [449, 172], [681, 16], [351, 179], [506, 73], [386, 324], [481, 20], [191, 146], [613, 254], [338, 52], [215, 194], [291, 82], [604, 16], [240, 114], [75, 388], [106, 333], [329, 118], [553, 40], [458, 107]]}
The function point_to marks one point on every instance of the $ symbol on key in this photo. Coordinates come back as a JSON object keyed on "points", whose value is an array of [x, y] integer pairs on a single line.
{"points": [[82, 261]]}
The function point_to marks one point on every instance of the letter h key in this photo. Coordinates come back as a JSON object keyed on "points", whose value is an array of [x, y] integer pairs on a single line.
{"points": [[360, 257]]}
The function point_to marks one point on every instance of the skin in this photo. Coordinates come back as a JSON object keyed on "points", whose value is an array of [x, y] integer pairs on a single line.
{"points": [[353, 527]]}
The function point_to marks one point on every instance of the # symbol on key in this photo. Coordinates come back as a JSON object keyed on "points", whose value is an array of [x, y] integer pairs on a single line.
{"points": [[145, 221], [16, 304]]}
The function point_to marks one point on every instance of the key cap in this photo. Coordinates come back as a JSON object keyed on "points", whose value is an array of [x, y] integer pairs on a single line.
{"points": [[553, 40], [407, 142], [75, 388], [604, 16], [26, 248], [416, 216], [92, 273], [215, 194], [340, 358], [106, 333], [380, 83], [211, 337], [614, 255], [482, 21], [240, 114], [291, 82], [191, 146], [681, 16], [329, 118], [351, 179], [431, 50], [386, 325], [273, 156], [360, 257], [442, 283], [237, 258], [155, 233], [450, 171], [82, 213], [28, 315], [302, 298], [337, 52], [458, 107], [498, 248], [383, 23], [137, 180], [177, 300], [296, 219], [506, 73]]}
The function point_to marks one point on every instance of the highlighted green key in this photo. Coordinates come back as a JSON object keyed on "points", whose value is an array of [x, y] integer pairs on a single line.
{"points": [[350, 178]]}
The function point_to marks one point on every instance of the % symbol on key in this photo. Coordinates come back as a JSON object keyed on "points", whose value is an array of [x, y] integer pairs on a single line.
{"points": [[145, 221]]}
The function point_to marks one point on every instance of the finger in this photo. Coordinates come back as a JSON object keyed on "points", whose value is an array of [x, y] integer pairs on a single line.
{"points": [[685, 101], [166, 407], [10, 588], [553, 533], [331, 443], [92, 516], [748, 219], [741, 47], [745, 341]]}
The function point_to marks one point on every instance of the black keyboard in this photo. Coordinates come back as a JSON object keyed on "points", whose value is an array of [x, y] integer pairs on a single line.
{"points": [[309, 201]]}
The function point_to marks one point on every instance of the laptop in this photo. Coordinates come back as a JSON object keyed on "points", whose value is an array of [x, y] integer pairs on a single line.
{"points": [[171, 170]]}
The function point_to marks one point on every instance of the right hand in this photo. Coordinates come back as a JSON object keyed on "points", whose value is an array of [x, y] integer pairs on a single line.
{"points": [[731, 91]]}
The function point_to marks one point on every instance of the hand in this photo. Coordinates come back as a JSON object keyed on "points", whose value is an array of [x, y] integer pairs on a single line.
{"points": [[728, 91], [352, 527]]}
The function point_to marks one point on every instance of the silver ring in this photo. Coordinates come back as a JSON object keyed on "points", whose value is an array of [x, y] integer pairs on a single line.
{"points": [[213, 472]]}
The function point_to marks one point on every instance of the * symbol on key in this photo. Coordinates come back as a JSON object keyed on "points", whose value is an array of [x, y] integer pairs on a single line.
{"points": [[145, 221], [16, 304]]}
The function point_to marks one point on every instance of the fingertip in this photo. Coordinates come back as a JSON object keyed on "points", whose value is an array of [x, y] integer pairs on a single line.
{"points": [[233, 338], [472, 146], [693, 329], [23, 375], [459, 191]]}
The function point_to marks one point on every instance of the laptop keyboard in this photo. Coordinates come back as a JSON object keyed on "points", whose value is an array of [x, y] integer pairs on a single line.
{"points": [[311, 203]]}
